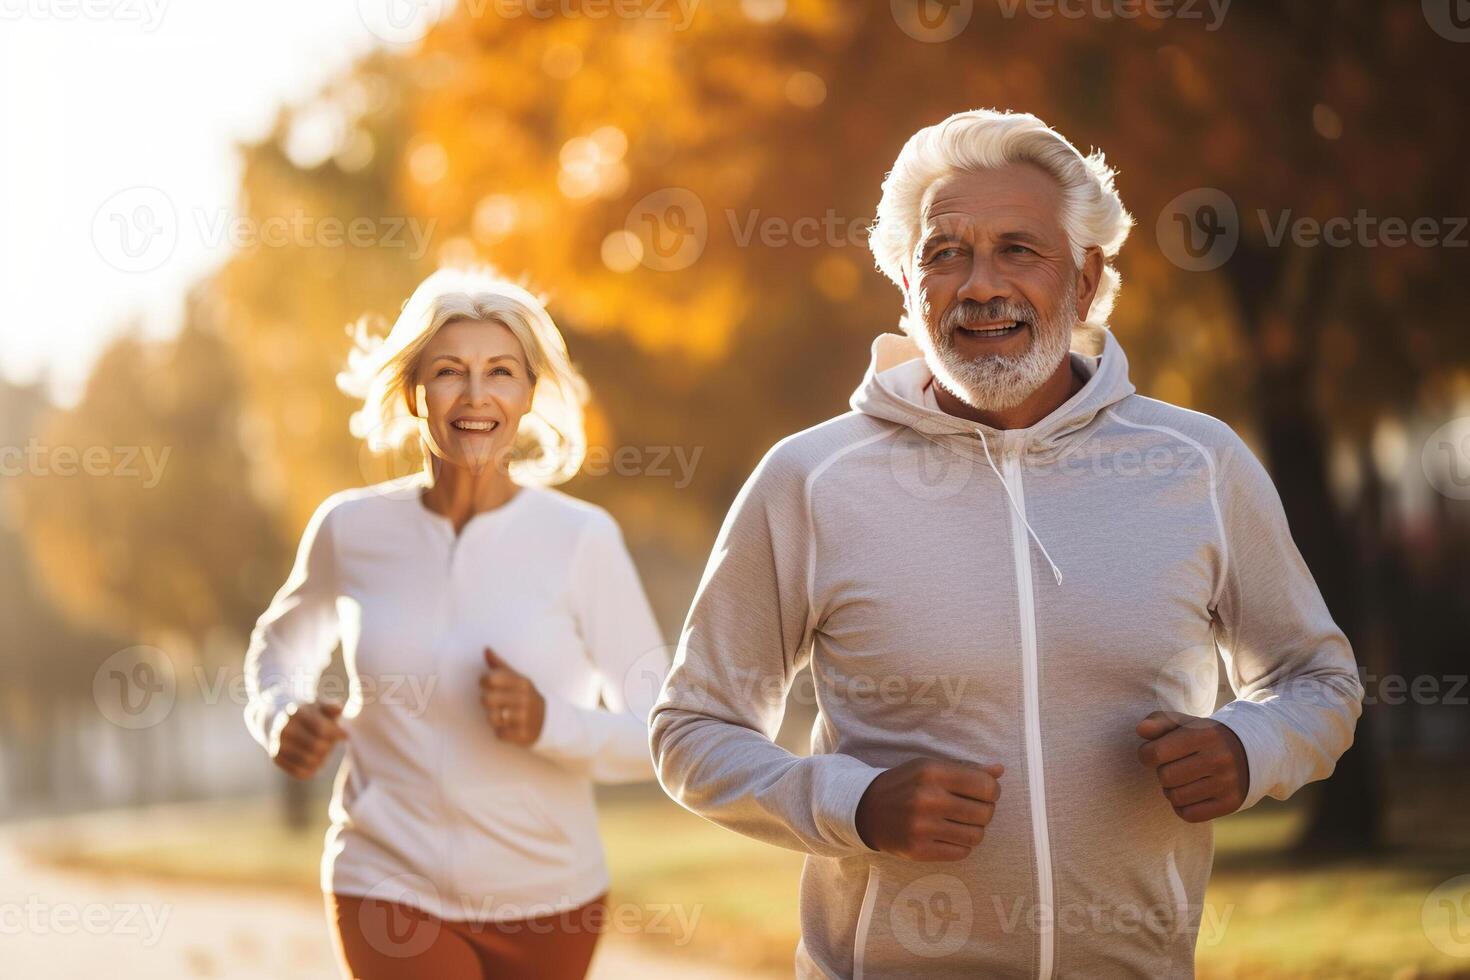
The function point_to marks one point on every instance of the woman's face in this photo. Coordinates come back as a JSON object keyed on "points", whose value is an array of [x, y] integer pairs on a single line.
{"points": [[472, 386]]}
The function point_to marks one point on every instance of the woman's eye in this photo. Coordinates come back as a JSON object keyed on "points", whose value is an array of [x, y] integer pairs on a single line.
{"points": [[503, 370], [445, 370]]}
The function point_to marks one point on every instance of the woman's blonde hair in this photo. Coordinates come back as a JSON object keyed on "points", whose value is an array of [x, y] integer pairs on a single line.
{"points": [[550, 443]]}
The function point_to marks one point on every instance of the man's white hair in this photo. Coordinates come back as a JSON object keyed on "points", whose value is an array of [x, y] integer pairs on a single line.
{"points": [[984, 139]]}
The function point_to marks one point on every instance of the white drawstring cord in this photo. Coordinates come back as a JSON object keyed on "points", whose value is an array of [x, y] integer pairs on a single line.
{"points": [[1055, 571]]}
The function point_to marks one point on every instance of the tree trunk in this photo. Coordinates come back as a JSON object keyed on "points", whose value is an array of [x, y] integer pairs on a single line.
{"points": [[296, 803], [1281, 297]]}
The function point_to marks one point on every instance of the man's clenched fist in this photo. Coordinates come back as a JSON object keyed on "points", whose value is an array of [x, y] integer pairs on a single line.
{"points": [[929, 809], [308, 736], [1200, 763]]}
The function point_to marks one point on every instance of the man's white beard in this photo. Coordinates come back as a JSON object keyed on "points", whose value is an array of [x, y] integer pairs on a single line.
{"points": [[996, 382]]}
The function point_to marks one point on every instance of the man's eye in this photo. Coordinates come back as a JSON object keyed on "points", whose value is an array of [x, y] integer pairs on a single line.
{"points": [[1018, 249], [948, 252]]}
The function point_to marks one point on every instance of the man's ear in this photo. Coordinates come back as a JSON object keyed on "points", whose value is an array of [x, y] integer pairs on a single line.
{"points": [[1089, 277]]}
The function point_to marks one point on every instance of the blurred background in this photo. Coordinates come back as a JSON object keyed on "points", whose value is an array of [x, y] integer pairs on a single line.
{"points": [[198, 198]]}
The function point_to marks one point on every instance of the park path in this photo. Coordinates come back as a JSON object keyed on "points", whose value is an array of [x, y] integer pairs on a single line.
{"points": [[57, 923]]}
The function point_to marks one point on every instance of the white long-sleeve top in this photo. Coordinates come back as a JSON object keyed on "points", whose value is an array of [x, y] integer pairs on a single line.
{"points": [[429, 807]]}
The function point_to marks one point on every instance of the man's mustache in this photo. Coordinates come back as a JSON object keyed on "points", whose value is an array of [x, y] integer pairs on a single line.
{"points": [[968, 311]]}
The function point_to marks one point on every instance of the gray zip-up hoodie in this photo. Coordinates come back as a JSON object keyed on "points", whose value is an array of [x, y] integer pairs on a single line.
{"points": [[1023, 596]]}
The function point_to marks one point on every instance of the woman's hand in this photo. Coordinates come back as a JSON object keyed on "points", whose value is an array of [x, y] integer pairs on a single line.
{"points": [[512, 704], [310, 733]]}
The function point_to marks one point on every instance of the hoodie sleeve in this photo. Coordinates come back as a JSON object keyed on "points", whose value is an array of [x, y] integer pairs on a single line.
{"points": [[748, 633], [1298, 696], [293, 640], [623, 641]]}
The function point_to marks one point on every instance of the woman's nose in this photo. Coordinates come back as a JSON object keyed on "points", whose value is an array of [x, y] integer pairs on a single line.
{"points": [[477, 390]]}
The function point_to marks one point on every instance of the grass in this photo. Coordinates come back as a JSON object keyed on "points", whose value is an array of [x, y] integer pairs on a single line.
{"points": [[1282, 918]]}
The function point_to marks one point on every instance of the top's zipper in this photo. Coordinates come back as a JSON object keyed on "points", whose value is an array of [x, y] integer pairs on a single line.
{"points": [[1031, 711]]}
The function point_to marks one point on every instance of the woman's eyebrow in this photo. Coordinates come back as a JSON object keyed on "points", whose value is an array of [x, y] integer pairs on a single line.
{"points": [[458, 360]]}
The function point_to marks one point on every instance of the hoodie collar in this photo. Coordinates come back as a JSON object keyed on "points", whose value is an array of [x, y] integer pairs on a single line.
{"points": [[893, 389]]}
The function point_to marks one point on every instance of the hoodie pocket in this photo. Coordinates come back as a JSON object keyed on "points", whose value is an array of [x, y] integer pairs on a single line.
{"points": [[511, 835], [1178, 921], [1176, 889], [388, 821], [914, 919], [865, 922]]}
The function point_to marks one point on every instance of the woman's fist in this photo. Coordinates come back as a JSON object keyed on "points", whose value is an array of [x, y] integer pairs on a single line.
{"points": [[512, 704], [306, 739]]}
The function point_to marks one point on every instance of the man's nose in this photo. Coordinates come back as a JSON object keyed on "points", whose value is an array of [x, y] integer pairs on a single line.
{"points": [[983, 284]]}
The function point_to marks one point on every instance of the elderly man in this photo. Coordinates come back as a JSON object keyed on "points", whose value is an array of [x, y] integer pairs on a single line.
{"points": [[1006, 570]]}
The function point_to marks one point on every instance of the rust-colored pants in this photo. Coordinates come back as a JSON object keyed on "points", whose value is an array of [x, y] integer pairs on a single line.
{"points": [[381, 940]]}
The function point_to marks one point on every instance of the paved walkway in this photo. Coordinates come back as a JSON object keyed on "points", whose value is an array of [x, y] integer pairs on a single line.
{"points": [[63, 924]]}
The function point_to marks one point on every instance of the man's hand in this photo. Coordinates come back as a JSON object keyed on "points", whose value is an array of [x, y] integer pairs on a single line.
{"points": [[1200, 763], [310, 733], [929, 809], [514, 707]]}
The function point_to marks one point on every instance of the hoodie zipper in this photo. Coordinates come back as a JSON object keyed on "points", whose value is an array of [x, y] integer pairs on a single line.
{"points": [[1011, 451]]}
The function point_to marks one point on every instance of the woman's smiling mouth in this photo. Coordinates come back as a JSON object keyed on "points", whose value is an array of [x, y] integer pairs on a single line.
{"points": [[475, 425]]}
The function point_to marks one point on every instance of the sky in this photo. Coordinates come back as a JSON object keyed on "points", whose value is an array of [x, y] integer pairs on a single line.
{"points": [[118, 126]]}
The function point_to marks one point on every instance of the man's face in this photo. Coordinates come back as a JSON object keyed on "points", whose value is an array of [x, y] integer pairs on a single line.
{"points": [[993, 291]]}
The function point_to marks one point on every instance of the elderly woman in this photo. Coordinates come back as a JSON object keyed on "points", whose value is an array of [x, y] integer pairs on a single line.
{"points": [[481, 614]]}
